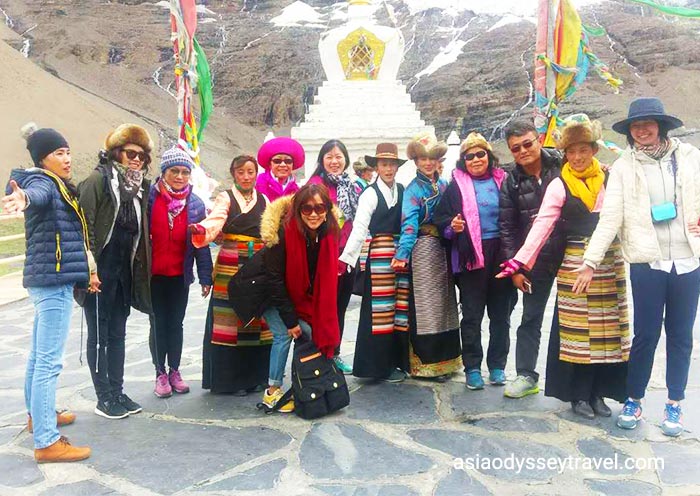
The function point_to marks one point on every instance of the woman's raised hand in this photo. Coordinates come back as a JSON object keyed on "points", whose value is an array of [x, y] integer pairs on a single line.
{"points": [[197, 229], [457, 223], [16, 201], [510, 267]]}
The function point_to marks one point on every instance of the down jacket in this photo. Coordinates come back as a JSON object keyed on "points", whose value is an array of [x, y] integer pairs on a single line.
{"points": [[55, 231], [627, 206], [520, 200]]}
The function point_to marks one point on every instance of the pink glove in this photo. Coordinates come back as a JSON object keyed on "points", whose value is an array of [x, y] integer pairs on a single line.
{"points": [[197, 229], [509, 267]]}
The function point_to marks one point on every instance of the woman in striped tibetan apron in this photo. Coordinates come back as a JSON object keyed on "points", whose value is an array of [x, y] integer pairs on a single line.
{"points": [[434, 349], [381, 350], [589, 343], [235, 358]]}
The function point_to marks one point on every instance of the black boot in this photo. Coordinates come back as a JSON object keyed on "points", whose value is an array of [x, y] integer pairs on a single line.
{"points": [[599, 407], [582, 409]]}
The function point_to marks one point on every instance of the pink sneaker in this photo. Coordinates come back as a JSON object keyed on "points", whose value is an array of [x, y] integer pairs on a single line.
{"points": [[179, 386], [163, 389]]}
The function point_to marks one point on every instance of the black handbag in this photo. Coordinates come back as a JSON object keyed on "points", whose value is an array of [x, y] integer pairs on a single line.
{"points": [[318, 387], [248, 292]]}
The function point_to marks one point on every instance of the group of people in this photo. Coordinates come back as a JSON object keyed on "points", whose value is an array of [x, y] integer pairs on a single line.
{"points": [[117, 241]]}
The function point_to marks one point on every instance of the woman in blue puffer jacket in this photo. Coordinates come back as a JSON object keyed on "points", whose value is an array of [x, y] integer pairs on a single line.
{"points": [[57, 259]]}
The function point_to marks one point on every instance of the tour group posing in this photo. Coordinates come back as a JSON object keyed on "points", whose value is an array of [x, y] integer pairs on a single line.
{"points": [[117, 241]]}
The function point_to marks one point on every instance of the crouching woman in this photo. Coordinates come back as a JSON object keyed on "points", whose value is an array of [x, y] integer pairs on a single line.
{"points": [[301, 235]]}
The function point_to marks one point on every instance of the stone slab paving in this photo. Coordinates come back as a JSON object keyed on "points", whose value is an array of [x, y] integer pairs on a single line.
{"points": [[415, 438]]}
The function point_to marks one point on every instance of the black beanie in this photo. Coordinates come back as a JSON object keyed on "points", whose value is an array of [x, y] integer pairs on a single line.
{"points": [[42, 142]]}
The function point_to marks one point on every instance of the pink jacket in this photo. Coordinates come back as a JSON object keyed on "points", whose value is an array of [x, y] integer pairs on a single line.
{"points": [[271, 187]]}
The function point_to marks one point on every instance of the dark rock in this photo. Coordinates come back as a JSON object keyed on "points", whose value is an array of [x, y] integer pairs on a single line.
{"points": [[339, 451], [19, 470], [82, 488], [262, 477], [389, 490], [600, 450], [680, 463], [460, 483], [493, 456], [517, 423], [604, 487], [416, 404]]}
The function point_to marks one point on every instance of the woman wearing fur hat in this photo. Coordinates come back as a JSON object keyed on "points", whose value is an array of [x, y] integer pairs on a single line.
{"points": [[381, 351], [235, 356], [331, 171], [589, 342], [365, 174], [172, 206], [653, 200], [301, 237], [467, 217], [280, 157], [57, 260], [433, 319], [115, 200]]}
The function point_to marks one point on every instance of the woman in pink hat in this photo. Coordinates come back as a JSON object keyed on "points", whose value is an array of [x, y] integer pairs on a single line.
{"points": [[279, 157]]}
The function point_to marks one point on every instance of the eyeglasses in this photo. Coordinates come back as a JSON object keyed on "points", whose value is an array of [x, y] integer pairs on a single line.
{"points": [[285, 161], [179, 172], [470, 156], [319, 209], [132, 154], [525, 144]]}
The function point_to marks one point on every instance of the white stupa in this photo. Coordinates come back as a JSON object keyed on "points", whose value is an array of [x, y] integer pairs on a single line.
{"points": [[362, 102]]}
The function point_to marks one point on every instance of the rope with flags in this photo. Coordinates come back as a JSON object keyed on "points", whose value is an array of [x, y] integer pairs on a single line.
{"points": [[563, 60], [191, 72]]}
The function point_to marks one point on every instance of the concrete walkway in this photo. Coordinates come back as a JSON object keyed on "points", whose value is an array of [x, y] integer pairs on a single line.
{"points": [[393, 440]]}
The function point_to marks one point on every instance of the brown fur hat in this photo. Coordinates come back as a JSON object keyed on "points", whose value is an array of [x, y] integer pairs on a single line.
{"points": [[426, 145], [129, 133], [578, 129], [475, 139]]}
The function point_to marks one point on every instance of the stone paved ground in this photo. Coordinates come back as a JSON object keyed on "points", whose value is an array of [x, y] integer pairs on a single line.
{"points": [[393, 440]]}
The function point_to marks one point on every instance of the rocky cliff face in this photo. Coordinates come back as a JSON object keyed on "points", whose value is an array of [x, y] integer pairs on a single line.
{"points": [[267, 68]]}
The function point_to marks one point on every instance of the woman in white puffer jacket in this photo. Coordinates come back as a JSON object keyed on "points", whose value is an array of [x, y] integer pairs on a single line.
{"points": [[653, 202]]}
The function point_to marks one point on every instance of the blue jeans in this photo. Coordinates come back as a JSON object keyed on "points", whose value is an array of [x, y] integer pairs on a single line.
{"points": [[53, 306], [660, 299], [280, 344]]}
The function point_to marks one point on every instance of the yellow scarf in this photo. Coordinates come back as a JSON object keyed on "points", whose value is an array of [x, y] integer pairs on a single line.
{"points": [[584, 185]]}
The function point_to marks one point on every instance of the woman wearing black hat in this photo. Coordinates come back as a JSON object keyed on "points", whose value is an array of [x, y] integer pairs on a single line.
{"points": [[381, 351], [653, 201], [57, 259]]}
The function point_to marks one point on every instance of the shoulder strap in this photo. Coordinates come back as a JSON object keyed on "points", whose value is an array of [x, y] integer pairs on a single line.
{"points": [[284, 399]]}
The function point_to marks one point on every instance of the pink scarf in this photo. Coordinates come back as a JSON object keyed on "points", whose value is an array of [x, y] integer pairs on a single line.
{"points": [[176, 200], [470, 210]]}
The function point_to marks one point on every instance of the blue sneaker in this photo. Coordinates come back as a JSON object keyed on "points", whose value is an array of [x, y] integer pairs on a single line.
{"points": [[474, 379], [673, 420], [630, 415], [497, 377]]}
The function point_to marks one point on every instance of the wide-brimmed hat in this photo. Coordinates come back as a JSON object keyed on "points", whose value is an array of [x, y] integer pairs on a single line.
{"points": [[475, 139], [426, 145], [282, 145], [647, 108], [578, 129], [129, 133], [385, 150]]}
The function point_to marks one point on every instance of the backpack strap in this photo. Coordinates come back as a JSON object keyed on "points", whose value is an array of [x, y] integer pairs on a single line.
{"points": [[284, 399]]}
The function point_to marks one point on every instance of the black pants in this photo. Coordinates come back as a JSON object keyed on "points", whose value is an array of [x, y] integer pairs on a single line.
{"points": [[527, 344], [345, 287], [671, 300], [479, 290], [169, 299], [106, 361]]}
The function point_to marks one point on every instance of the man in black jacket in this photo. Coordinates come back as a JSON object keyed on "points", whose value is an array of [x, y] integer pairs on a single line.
{"points": [[520, 200]]}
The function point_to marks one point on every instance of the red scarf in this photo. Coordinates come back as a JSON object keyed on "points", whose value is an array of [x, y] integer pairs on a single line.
{"points": [[319, 309]]}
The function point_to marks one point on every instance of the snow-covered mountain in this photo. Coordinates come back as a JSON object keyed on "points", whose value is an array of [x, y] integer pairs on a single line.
{"points": [[468, 63]]}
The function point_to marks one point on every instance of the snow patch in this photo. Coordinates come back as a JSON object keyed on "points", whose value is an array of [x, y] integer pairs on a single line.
{"points": [[298, 14], [519, 8], [507, 20]]}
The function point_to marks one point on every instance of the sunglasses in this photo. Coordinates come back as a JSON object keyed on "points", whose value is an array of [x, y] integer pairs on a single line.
{"points": [[525, 144], [470, 156], [285, 161], [180, 172], [132, 154], [319, 209]]}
